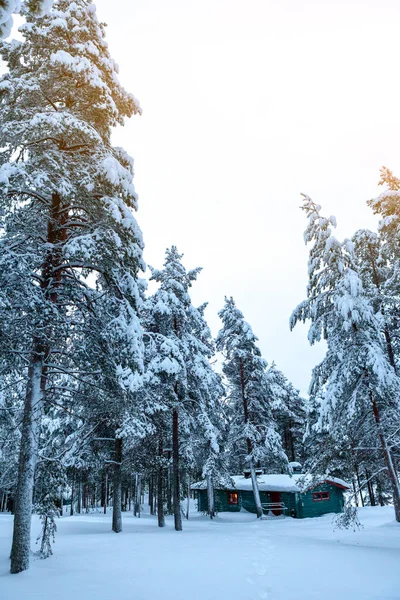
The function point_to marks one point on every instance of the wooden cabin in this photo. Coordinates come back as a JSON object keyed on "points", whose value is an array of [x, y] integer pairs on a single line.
{"points": [[281, 495]]}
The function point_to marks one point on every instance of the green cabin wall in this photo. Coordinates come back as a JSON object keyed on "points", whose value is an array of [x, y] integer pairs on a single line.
{"points": [[306, 507], [286, 497], [220, 501], [298, 505]]}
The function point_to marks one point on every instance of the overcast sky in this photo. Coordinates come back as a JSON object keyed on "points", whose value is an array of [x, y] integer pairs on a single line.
{"points": [[245, 105]]}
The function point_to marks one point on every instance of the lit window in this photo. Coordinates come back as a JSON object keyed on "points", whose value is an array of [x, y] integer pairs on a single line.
{"points": [[233, 498]]}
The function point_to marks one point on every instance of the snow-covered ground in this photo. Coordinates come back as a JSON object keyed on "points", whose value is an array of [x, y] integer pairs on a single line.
{"points": [[233, 557]]}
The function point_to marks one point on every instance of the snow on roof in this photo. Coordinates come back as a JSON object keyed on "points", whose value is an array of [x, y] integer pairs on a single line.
{"points": [[277, 483]]}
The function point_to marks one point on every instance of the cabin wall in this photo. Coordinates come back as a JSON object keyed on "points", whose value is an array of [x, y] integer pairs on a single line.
{"points": [[288, 498], [307, 507], [298, 505], [248, 501], [220, 502], [202, 503]]}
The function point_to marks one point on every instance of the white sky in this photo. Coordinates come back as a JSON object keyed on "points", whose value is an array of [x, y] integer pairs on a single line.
{"points": [[245, 105]]}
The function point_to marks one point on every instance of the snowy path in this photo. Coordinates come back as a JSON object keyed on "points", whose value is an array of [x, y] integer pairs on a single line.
{"points": [[233, 557]]}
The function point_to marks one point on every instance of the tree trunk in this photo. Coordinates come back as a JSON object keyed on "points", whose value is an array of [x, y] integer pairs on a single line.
{"points": [[188, 500], [256, 491], [105, 492], [138, 495], [150, 502], [388, 458], [71, 508], [160, 499], [370, 489], [124, 499], [154, 494], [210, 497], [27, 463], [160, 485], [117, 487], [135, 503], [50, 281], [176, 501], [289, 442], [359, 484], [379, 491], [354, 491], [85, 497], [254, 482], [79, 504], [130, 494], [168, 491]]}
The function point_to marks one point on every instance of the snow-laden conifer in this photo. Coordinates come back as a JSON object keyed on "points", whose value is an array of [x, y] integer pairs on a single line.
{"points": [[252, 427], [181, 381], [66, 202], [356, 379]]}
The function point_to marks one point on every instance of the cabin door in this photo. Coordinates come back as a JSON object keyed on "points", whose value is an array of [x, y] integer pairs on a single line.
{"points": [[276, 497]]}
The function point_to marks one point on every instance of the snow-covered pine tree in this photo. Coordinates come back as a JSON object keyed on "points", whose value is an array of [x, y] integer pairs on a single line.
{"points": [[181, 379], [355, 380], [164, 365], [205, 391], [252, 428], [114, 346], [66, 198], [210, 457]]}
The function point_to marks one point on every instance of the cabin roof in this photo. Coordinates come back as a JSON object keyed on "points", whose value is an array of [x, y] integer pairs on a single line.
{"points": [[277, 483]]}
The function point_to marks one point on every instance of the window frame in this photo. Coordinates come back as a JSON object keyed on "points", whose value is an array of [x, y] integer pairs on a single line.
{"points": [[229, 498], [321, 496]]}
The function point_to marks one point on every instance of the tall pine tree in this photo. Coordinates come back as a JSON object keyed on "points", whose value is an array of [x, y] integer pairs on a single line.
{"points": [[182, 383], [66, 198], [252, 429], [356, 379]]}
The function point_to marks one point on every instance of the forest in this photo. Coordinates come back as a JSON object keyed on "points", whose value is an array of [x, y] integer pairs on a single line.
{"points": [[110, 394]]}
